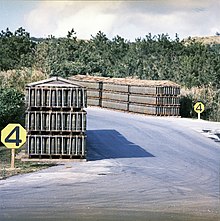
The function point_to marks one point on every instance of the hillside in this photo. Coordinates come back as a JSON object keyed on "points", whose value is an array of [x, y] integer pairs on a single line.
{"points": [[208, 40]]}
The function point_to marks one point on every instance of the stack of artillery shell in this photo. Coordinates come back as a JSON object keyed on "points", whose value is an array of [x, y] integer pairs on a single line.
{"points": [[159, 98], [55, 119]]}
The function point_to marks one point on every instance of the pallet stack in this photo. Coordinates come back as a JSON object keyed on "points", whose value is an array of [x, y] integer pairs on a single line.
{"points": [[56, 119], [159, 98]]}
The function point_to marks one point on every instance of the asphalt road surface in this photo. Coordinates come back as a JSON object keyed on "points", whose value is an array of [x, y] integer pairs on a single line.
{"points": [[139, 168]]}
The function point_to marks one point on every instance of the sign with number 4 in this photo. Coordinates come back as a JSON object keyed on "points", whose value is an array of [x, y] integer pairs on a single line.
{"points": [[199, 107], [13, 136]]}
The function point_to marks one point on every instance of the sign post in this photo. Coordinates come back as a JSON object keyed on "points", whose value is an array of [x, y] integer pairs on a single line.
{"points": [[199, 107], [13, 136], [12, 159]]}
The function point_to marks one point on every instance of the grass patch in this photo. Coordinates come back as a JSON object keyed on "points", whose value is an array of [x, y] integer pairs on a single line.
{"points": [[20, 167]]}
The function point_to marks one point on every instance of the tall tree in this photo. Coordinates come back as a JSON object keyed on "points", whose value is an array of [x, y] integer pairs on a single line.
{"points": [[16, 49]]}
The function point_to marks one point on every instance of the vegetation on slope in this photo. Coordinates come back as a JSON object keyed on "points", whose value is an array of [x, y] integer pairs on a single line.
{"points": [[194, 65]]}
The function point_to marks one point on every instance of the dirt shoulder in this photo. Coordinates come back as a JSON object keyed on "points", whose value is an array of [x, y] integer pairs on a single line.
{"points": [[20, 167]]}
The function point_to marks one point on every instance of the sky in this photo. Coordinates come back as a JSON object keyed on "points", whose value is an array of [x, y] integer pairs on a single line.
{"points": [[128, 19]]}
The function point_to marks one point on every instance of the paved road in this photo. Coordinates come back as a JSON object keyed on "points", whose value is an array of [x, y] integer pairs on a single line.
{"points": [[139, 168]]}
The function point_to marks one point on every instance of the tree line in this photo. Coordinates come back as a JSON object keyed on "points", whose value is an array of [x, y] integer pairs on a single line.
{"points": [[158, 57]]}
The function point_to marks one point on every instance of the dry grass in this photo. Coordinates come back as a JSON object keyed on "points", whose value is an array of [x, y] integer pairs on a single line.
{"points": [[20, 78]]}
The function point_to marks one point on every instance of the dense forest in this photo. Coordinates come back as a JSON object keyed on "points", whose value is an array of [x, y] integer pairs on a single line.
{"points": [[195, 66]]}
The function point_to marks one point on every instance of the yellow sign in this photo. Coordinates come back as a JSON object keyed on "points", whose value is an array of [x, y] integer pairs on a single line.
{"points": [[13, 136], [199, 107]]}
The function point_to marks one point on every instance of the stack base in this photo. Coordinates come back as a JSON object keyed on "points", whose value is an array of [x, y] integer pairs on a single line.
{"points": [[52, 160]]}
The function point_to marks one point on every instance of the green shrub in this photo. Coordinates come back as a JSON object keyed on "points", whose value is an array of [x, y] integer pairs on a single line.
{"points": [[12, 107], [186, 106]]}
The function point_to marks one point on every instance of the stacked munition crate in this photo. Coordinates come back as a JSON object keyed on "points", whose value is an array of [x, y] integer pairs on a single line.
{"points": [[55, 119], [159, 98], [94, 87]]}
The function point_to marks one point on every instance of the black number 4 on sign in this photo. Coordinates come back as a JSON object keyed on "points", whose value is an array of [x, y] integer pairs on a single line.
{"points": [[15, 140]]}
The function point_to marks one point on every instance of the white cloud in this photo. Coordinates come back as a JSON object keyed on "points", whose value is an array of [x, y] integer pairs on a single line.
{"points": [[86, 22], [125, 18], [58, 18]]}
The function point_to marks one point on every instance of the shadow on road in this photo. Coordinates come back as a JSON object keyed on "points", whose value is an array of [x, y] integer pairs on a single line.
{"points": [[106, 144]]}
